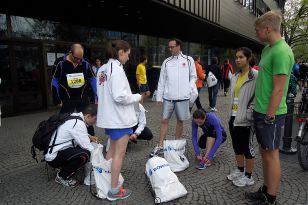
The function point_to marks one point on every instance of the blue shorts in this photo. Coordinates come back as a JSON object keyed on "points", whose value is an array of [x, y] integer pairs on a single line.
{"points": [[118, 133], [268, 135]]}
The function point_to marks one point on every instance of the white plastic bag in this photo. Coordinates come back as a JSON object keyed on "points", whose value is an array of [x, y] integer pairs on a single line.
{"points": [[174, 154], [154, 96], [230, 75], [165, 183], [193, 95], [102, 172], [89, 176], [211, 80]]}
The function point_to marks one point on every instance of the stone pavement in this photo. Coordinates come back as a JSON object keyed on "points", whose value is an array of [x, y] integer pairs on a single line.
{"points": [[23, 181]]}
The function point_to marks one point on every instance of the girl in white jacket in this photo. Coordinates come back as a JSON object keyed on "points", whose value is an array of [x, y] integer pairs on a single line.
{"points": [[116, 112]]}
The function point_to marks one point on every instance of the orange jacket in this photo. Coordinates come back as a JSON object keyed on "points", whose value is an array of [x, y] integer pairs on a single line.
{"points": [[200, 75]]}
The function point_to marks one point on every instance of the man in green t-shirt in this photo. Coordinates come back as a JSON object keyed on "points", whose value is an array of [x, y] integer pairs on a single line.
{"points": [[270, 102]]}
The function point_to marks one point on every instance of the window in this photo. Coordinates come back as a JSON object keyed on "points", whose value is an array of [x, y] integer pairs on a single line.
{"points": [[2, 24]]}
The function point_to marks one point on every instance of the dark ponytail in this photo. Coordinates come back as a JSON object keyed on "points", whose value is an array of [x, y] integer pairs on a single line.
{"points": [[113, 48]]}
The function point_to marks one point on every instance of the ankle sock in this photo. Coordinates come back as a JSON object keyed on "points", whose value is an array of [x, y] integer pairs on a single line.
{"points": [[114, 190], [270, 198], [248, 174], [264, 189], [241, 169]]}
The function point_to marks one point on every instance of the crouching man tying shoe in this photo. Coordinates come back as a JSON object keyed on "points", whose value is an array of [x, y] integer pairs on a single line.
{"points": [[141, 132], [213, 136], [70, 146]]}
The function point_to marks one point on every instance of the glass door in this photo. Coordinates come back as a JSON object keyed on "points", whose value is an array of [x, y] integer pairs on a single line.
{"points": [[29, 77]]}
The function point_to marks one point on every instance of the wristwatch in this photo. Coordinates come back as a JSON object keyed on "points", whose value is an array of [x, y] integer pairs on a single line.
{"points": [[269, 119]]}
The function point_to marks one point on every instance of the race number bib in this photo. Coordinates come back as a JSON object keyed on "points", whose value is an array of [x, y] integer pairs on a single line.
{"points": [[234, 106], [75, 80]]}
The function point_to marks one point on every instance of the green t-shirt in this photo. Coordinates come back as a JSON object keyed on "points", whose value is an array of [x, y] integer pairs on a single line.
{"points": [[275, 60]]}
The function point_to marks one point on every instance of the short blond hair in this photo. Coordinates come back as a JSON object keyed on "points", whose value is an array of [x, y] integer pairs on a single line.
{"points": [[272, 19]]}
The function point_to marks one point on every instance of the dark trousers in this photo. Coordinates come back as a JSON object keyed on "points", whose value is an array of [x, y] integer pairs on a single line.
{"points": [[70, 160], [71, 106], [78, 106], [213, 91], [146, 134], [226, 85], [197, 101], [221, 84]]}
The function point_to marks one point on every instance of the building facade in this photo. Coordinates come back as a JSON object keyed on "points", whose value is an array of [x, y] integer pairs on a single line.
{"points": [[31, 39]]}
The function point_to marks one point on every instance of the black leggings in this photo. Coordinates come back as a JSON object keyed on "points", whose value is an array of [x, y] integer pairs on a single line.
{"points": [[146, 134], [211, 133], [242, 139], [70, 160]]}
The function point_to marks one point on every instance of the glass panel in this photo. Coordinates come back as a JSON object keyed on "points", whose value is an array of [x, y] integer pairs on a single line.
{"points": [[148, 46], [2, 24], [6, 86], [29, 77], [33, 28], [163, 51]]}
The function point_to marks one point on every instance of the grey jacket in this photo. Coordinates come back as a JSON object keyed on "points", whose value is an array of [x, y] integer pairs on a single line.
{"points": [[244, 111]]}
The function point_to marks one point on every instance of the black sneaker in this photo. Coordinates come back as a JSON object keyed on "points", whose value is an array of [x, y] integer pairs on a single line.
{"points": [[66, 182], [157, 151], [265, 203], [256, 196]]}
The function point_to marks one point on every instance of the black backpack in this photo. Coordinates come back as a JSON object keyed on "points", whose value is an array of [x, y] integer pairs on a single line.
{"points": [[44, 131]]}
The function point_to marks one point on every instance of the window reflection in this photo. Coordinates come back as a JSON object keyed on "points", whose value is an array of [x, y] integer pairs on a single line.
{"points": [[2, 24]]}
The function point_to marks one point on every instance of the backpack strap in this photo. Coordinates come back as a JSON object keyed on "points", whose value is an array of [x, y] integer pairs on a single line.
{"points": [[54, 139]]}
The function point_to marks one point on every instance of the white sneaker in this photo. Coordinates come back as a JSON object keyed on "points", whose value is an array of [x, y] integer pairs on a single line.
{"points": [[235, 174], [214, 109], [243, 181]]}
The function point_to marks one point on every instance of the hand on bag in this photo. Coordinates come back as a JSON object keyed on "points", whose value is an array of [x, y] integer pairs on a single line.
{"points": [[93, 138]]}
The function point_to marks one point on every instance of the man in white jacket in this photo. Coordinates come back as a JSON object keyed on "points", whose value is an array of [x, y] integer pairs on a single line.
{"points": [[176, 82], [72, 146], [141, 132]]}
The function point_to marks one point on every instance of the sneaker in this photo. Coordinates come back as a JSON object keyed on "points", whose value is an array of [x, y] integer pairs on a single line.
{"points": [[214, 109], [256, 196], [265, 203], [157, 151], [67, 182], [200, 165], [225, 93], [243, 181], [235, 174], [122, 194]]}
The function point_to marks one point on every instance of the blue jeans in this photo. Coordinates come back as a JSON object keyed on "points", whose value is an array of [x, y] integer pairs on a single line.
{"points": [[213, 91]]}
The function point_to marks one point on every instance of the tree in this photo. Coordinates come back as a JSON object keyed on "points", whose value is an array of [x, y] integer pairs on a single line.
{"points": [[295, 26]]}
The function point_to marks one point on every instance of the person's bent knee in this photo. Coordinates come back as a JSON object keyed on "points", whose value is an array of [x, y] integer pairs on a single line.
{"points": [[85, 156]]}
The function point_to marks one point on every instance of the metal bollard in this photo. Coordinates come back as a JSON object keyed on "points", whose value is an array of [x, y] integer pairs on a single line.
{"points": [[287, 137]]}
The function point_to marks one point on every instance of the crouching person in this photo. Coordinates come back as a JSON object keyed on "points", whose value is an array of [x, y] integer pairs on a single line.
{"points": [[213, 136], [141, 132], [70, 146]]}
